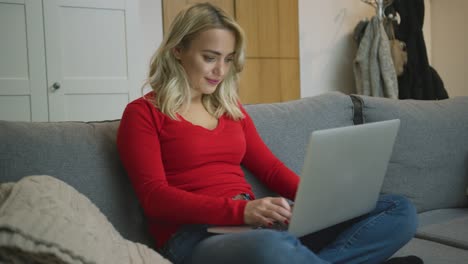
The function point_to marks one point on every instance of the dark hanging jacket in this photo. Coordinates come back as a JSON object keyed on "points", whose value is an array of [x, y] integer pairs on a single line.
{"points": [[419, 80]]}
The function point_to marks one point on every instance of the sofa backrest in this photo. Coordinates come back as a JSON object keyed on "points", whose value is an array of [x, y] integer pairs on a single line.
{"points": [[429, 163], [286, 127], [83, 155]]}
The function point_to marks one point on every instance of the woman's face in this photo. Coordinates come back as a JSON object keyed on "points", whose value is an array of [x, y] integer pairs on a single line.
{"points": [[207, 60]]}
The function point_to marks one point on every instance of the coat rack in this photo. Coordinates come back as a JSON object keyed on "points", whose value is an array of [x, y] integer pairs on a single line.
{"points": [[380, 6]]}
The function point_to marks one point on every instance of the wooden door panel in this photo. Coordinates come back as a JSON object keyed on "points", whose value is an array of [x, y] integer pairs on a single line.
{"points": [[170, 10], [271, 28], [246, 16], [288, 29], [259, 19], [269, 80], [268, 29], [260, 82], [290, 84], [249, 92]]}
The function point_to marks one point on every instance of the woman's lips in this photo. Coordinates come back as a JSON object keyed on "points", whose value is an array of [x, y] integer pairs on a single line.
{"points": [[211, 81]]}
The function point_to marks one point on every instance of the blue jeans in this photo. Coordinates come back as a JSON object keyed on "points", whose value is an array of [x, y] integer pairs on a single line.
{"points": [[371, 238]]}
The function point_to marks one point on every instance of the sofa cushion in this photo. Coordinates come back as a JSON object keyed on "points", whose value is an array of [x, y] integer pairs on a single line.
{"points": [[44, 220], [445, 226], [441, 215], [453, 232], [433, 253], [84, 155], [285, 127], [429, 163]]}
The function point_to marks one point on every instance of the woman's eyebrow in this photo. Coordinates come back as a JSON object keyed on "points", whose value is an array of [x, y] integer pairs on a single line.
{"points": [[217, 52]]}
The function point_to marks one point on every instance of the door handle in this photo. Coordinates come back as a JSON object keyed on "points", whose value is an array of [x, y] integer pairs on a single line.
{"points": [[56, 85]]}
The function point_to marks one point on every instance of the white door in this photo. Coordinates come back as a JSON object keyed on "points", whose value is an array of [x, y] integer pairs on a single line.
{"points": [[92, 58], [22, 61]]}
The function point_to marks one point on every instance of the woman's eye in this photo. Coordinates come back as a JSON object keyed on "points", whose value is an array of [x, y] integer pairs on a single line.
{"points": [[209, 59], [229, 60]]}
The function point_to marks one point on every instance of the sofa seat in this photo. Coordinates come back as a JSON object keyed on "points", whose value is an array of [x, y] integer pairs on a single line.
{"points": [[441, 215], [446, 226], [442, 237], [434, 253]]}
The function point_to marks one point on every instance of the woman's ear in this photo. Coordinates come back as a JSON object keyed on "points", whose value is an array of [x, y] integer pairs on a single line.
{"points": [[176, 52]]}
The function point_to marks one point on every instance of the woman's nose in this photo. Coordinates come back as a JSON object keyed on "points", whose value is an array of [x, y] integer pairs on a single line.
{"points": [[220, 68]]}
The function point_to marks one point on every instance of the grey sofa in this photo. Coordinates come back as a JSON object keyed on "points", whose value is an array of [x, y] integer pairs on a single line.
{"points": [[429, 164]]}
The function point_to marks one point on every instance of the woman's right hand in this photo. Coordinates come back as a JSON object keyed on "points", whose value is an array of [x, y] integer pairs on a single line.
{"points": [[266, 211]]}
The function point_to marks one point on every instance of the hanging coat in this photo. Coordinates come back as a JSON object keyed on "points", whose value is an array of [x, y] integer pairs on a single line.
{"points": [[419, 80], [373, 66]]}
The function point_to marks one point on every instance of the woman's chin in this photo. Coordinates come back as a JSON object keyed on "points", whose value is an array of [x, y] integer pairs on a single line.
{"points": [[209, 91]]}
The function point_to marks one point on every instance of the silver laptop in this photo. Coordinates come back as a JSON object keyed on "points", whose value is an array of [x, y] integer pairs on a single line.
{"points": [[341, 177]]}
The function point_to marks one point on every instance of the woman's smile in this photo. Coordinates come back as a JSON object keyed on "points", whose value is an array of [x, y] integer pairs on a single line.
{"points": [[212, 81]]}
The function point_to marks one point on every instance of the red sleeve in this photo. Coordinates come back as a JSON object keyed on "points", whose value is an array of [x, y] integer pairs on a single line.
{"points": [[139, 150], [265, 165]]}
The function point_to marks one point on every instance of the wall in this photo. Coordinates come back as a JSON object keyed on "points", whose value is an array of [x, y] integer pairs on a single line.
{"points": [[326, 45], [449, 44], [327, 48]]}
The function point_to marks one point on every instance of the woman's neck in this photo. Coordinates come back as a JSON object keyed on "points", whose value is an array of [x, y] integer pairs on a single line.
{"points": [[195, 105]]}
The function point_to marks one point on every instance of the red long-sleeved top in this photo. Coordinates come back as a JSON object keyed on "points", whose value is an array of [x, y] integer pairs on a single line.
{"points": [[186, 174]]}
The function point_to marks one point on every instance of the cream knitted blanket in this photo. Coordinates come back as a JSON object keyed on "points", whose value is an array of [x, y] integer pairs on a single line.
{"points": [[44, 220]]}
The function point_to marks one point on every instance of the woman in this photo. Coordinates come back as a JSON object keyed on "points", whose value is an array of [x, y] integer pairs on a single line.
{"points": [[183, 145]]}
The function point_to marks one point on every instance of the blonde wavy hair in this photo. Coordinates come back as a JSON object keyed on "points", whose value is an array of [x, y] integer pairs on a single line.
{"points": [[167, 77]]}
